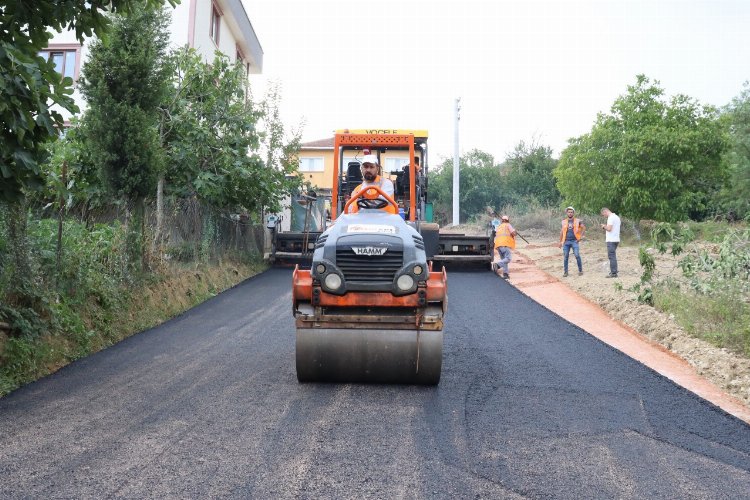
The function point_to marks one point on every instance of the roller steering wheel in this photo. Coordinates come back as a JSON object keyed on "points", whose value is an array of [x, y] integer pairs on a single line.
{"points": [[369, 203]]}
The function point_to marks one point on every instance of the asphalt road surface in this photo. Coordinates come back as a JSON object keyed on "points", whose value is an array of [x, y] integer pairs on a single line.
{"points": [[208, 405]]}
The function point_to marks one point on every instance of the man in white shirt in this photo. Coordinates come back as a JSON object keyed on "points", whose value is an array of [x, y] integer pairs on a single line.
{"points": [[371, 174], [612, 238]]}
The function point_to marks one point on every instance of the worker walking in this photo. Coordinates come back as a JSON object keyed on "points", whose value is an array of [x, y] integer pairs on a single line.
{"points": [[505, 241], [570, 236]]}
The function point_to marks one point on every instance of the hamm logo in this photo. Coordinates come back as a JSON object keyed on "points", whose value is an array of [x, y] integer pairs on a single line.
{"points": [[369, 250]]}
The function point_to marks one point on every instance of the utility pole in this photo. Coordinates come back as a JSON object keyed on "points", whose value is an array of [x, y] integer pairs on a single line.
{"points": [[457, 117]]}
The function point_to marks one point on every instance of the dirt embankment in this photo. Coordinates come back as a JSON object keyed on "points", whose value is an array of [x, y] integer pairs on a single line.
{"points": [[722, 367]]}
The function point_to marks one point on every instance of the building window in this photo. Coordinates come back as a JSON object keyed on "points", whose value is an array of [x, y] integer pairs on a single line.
{"points": [[215, 24], [311, 164], [65, 59]]}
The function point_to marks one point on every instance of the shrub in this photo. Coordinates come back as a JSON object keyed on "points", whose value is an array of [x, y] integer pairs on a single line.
{"points": [[709, 289]]}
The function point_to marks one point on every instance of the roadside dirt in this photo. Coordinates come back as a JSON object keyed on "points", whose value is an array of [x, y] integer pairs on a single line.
{"points": [[720, 366]]}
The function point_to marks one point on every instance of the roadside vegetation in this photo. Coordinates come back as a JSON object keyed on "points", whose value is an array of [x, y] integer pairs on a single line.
{"points": [[150, 203], [708, 288], [88, 302]]}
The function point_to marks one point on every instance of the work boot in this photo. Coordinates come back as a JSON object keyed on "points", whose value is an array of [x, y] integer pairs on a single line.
{"points": [[565, 274], [612, 275], [580, 273]]}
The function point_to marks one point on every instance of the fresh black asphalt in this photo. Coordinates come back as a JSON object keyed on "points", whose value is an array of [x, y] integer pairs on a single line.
{"points": [[208, 405]]}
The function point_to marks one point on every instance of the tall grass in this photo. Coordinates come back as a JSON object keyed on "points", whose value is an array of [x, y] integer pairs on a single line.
{"points": [[720, 319]]}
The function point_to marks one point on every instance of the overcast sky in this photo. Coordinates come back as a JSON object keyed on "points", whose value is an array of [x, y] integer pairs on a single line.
{"points": [[532, 70]]}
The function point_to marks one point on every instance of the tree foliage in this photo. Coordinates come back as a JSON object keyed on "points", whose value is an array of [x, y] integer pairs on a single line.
{"points": [[649, 158], [214, 134], [529, 175], [70, 174], [124, 82], [480, 186], [523, 181], [281, 147], [736, 194], [30, 86]]}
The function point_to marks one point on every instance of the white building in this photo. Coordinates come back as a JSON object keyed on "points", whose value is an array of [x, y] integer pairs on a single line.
{"points": [[206, 25]]}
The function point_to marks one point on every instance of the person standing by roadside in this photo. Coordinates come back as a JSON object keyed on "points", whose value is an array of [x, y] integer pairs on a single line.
{"points": [[612, 238], [505, 241], [570, 236]]}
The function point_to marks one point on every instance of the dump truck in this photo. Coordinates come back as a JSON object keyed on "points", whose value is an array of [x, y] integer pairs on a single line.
{"points": [[409, 175], [371, 306]]}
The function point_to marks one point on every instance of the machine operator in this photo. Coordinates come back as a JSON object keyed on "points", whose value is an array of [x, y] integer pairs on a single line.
{"points": [[371, 173]]}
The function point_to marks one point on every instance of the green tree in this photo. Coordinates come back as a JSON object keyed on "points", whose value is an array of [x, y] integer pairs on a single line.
{"points": [[480, 186], [125, 81], [81, 186], [214, 134], [281, 147], [649, 158], [736, 194], [529, 176]]}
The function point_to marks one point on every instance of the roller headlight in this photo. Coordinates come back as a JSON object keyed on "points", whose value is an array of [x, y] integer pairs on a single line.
{"points": [[418, 270], [333, 281], [405, 282], [320, 268]]}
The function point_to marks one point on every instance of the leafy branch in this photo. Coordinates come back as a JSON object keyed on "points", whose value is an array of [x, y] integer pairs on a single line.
{"points": [[705, 269]]}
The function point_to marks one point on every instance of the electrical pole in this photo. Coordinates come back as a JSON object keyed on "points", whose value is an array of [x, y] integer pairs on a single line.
{"points": [[457, 117]]}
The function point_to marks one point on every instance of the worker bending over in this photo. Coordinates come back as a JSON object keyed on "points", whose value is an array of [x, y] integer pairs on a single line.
{"points": [[505, 241]]}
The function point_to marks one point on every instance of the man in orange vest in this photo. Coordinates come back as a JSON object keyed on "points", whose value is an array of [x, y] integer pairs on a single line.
{"points": [[570, 236], [505, 240], [371, 175]]}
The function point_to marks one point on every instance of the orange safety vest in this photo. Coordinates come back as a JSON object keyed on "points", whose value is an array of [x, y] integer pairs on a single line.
{"points": [[578, 228], [371, 194], [504, 237]]}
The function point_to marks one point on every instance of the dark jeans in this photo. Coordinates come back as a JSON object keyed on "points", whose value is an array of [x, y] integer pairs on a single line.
{"points": [[566, 253], [611, 249]]}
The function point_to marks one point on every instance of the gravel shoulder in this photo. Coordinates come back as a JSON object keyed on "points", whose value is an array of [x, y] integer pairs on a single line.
{"points": [[722, 367]]}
